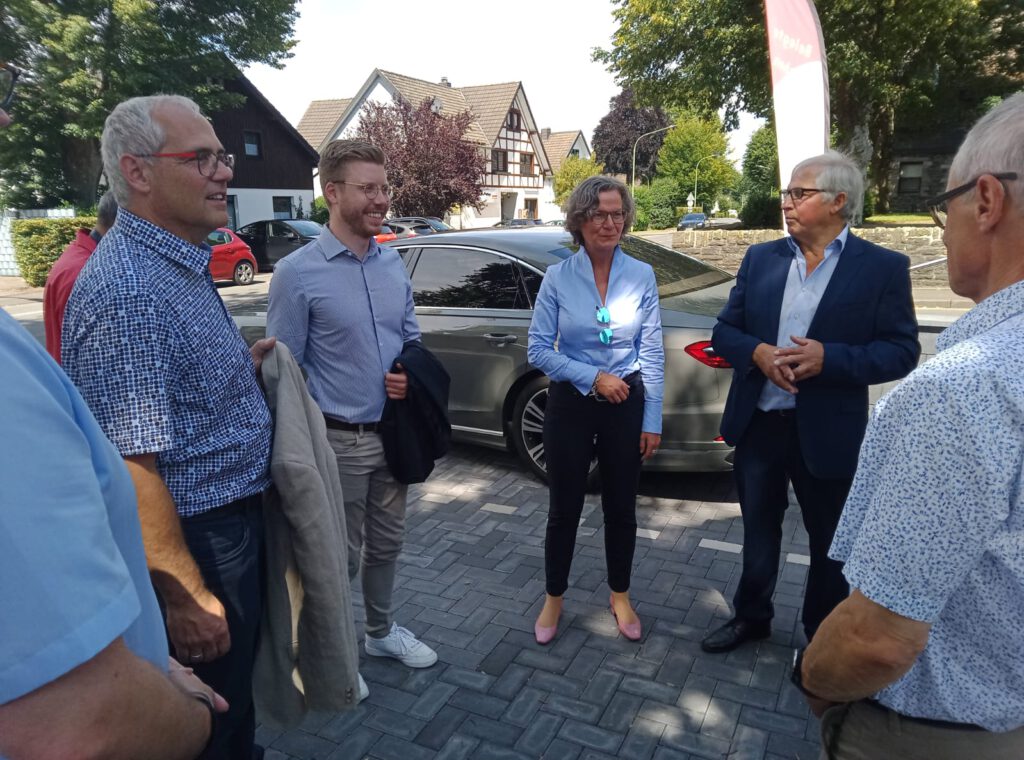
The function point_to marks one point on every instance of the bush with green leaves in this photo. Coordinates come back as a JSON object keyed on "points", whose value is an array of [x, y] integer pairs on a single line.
{"points": [[318, 211], [663, 217], [642, 221], [39, 242], [762, 211]]}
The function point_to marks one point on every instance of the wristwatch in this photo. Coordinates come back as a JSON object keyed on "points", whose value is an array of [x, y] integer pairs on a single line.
{"points": [[796, 676], [593, 388]]}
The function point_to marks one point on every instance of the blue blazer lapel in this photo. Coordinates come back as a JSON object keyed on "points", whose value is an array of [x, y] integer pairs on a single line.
{"points": [[845, 276], [774, 286]]}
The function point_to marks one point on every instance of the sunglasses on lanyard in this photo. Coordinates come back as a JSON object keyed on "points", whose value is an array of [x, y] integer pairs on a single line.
{"points": [[604, 318]]}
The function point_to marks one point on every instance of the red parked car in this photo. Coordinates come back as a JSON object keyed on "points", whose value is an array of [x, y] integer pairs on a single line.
{"points": [[232, 258]]}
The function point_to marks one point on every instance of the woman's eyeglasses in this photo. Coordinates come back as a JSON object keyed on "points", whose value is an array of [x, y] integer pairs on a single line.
{"points": [[604, 318]]}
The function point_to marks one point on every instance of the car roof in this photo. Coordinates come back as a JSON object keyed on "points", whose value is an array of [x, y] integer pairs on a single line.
{"points": [[537, 245]]}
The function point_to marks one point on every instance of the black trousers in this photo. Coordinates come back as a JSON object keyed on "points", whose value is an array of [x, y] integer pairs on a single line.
{"points": [[767, 458], [574, 426], [227, 544]]}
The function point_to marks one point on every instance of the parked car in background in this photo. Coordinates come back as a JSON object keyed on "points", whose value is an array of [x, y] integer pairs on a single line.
{"points": [[519, 223], [421, 225], [386, 234], [555, 223], [273, 239], [693, 222], [231, 258]]}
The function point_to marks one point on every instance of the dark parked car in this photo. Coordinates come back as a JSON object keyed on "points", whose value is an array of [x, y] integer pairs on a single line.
{"points": [[519, 223], [421, 225], [693, 222], [474, 292], [273, 239], [231, 258]]}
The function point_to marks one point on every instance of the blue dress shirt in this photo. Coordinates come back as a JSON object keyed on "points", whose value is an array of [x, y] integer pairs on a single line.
{"points": [[345, 321], [933, 528], [73, 573], [154, 352], [564, 334], [799, 305]]}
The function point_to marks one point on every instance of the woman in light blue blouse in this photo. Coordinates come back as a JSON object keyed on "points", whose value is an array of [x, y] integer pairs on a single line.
{"points": [[596, 333]]}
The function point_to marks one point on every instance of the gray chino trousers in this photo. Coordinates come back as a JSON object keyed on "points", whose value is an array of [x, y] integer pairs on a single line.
{"points": [[375, 519]]}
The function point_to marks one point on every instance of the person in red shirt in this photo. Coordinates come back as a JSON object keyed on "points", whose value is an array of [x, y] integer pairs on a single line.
{"points": [[65, 271]]}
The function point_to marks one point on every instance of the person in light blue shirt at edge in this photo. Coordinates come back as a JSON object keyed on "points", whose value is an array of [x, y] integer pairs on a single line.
{"points": [[596, 334], [77, 604], [924, 659]]}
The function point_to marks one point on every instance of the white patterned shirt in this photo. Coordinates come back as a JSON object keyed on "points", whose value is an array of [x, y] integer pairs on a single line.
{"points": [[933, 528]]}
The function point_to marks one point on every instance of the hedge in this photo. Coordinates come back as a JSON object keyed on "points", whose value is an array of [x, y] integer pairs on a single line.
{"points": [[39, 242]]}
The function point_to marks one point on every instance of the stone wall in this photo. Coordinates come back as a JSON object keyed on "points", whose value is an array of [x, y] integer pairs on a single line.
{"points": [[725, 248]]}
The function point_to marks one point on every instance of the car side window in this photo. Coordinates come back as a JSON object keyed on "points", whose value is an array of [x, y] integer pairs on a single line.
{"points": [[279, 230], [217, 238], [531, 280], [460, 278]]}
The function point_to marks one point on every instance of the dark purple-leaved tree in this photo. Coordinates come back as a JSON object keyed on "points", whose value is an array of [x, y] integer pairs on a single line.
{"points": [[619, 129], [431, 164]]}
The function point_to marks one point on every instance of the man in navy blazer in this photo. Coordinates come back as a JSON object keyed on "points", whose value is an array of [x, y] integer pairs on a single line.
{"points": [[811, 322]]}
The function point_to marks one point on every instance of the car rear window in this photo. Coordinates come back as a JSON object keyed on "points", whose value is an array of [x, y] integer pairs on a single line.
{"points": [[676, 273], [306, 228]]}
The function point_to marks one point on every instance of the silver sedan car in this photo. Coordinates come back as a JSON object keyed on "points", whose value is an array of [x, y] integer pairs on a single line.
{"points": [[474, 293]]}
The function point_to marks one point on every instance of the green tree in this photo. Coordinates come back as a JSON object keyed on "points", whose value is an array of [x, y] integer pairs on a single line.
{"points": [[695, 149], [82, 57], [761, 163], [618, 131], [892, 64], [573, 171]]}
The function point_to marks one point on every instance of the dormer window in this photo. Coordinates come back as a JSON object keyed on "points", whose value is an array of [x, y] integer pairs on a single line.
{"points": [[514, 122]]}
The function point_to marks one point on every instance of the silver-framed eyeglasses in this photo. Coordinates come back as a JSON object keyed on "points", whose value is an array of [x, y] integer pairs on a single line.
{"points": [[206, 160], [798, 193], [8, 76], [370, 190], [939, 205], [617, 217]]}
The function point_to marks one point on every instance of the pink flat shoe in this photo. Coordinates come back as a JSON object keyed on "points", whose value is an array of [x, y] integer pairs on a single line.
{"points": [[631, 631], [544, 633]]}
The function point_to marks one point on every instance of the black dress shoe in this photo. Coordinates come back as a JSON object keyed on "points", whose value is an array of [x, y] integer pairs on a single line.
{"points": [[734, 633]]}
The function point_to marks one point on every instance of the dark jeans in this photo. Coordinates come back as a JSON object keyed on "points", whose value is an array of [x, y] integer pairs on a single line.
{"points": [[574, 425], [227, 544], [767, 457]]}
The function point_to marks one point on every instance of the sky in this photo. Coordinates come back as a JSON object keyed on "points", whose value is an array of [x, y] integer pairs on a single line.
{"points": [[545, 44]]}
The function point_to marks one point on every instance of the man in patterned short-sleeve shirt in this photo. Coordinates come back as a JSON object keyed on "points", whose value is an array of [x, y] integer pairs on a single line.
{"points": [[924, 659], [149, 344]]}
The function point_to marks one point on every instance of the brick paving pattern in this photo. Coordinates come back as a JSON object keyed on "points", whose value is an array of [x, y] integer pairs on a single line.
{"points": [[471, 583]]}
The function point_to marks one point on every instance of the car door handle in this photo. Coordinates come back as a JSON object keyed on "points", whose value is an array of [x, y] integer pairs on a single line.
{"points": [[500, 339]]}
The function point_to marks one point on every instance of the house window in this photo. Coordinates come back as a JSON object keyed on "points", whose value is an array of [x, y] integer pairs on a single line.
{"points": [[910, 177], [499, 161], [526, 164], [514, 122], [282, 207], [233, 212], [530, 208], [575, 152], [253, 145]]}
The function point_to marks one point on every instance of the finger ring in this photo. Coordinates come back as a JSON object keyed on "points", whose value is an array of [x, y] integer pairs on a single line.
{"points": [[195, 657]]}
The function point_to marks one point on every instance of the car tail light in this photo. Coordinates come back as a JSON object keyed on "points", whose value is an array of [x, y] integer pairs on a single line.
{"points": [[705, 354]]}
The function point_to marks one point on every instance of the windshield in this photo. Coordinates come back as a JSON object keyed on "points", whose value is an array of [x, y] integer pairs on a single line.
{"points": [[676, 273], [306, 228], [438, 226]]}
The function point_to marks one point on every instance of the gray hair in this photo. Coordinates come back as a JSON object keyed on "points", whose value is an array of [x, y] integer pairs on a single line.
{"points": [[131, 129], [994, 144], [586, 197], [838, 173], [106, 212]]}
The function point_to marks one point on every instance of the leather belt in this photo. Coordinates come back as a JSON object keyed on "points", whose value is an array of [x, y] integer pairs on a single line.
{"points": [[352, 427], [924, 721]]}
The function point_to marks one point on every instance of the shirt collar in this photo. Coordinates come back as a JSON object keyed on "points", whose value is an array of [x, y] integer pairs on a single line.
{"points": [[162, 242], [832, 249], [997, 308], [332, 247]]}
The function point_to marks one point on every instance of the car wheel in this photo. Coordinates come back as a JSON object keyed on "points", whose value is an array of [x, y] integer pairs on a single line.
{"points": [[528, 431], [244, 273]]}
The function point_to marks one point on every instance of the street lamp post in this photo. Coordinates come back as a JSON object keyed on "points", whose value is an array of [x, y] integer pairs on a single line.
{"points": [[641, 137], [713, 155]]}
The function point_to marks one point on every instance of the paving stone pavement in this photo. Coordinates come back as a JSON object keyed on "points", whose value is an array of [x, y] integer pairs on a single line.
{"points": [[471, 582]]}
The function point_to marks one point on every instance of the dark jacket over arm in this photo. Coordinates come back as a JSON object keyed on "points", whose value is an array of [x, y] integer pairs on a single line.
{"points": [[865, 321]]}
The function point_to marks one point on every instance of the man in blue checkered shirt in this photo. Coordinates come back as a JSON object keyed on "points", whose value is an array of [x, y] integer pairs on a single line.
{"points": [[152, 349]]}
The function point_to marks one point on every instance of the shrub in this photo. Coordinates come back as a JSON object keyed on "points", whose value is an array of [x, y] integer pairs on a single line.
{"points": [[870, 203], [642, 221], [662, 217], [39, 242], [318, 211], [762, 211]]}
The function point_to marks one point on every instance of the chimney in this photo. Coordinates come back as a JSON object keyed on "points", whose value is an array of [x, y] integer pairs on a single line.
{"points": [[445, 82], [545, 133]]}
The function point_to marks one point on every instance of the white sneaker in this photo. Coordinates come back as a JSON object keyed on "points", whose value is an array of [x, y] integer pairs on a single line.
{"points": [[364, 690], [403, 646]]}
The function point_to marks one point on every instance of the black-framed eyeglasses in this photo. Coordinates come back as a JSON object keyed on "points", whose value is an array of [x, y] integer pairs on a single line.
{"points": [[939, 205], [8, 76], [798, 193], [206, 160], [370, 190], [617, 217]]}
